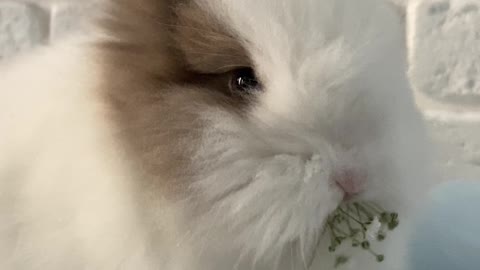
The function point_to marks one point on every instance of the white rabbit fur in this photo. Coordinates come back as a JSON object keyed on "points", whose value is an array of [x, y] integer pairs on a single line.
{"points": [[76, 193]]}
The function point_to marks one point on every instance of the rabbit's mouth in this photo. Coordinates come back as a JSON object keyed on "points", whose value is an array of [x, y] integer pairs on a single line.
{"points": [[352, 182]]}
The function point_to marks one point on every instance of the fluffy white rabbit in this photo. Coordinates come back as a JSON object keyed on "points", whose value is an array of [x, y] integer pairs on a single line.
{"points": [[207, 135]]}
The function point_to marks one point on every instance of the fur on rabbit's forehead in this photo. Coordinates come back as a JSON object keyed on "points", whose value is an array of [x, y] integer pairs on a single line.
{"points": [[302, 51], [298, 47], [288, 33], [288, 39]]}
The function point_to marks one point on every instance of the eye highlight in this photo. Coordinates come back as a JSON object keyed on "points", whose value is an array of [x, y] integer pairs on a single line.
{"points": [[244, 81]]}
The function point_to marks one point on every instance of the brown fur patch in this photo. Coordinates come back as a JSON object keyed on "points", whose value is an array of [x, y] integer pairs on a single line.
{"points": [[166, 61], [206, 44]]}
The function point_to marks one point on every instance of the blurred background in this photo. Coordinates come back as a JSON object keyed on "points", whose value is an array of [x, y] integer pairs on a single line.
{"points": [[443, 39]]}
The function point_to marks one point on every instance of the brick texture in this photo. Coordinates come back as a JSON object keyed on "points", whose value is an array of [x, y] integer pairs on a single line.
{"points": [[22, 25], [445, 38], [444, 44], [26, 23]]}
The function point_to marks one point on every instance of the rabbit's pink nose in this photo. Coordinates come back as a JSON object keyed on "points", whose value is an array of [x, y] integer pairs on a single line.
{"points": [[351, 181]]}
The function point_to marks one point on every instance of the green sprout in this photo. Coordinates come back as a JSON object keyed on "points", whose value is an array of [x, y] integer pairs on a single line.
{"points": [[351, 222]]}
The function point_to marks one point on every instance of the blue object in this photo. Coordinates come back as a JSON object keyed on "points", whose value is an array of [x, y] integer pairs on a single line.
{"points": [[447, 234]]}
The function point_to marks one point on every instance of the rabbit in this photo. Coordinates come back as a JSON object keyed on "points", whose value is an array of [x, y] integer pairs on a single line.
{"points": [[208, 135]]}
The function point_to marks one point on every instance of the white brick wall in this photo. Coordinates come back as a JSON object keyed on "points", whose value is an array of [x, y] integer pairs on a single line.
{"points": [[444, 42], [21, 26], [25, 23], [443, 38], [446, 49]]}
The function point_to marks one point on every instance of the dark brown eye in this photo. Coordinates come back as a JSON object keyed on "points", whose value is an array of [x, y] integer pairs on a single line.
{"points": [[244, 81]]}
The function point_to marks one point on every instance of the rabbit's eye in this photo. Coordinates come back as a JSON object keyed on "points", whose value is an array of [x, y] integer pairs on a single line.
{"points": [[244, 81]]}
